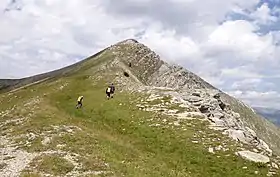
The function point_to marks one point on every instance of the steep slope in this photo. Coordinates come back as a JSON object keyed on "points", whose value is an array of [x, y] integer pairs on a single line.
{"points": [[163, 121], [272, 115], [151, 70]]}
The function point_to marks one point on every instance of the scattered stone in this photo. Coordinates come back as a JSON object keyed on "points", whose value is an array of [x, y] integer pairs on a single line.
{"points": [[60, 145], [219, 148], [46, 141], [274, 165], [270, 173], [211, 150], [176, 123], [16, 164], [255, 150]]}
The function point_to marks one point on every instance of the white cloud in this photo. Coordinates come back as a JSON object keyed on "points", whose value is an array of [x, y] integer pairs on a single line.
{"points": [[172, 48], [42, 35], [258, 99], [241, 72], [263, 15], [240, 38]]}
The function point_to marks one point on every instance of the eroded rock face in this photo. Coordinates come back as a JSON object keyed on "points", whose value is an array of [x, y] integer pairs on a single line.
{"points": [[153, 71], [223, 118]]}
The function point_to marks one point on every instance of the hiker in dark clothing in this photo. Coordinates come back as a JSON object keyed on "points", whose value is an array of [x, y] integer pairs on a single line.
{"points": [[108, 92], [112, 89]]}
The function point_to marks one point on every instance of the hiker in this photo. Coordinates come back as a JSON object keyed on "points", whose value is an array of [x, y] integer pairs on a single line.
{"points": [[112, 89], [108, 92], [80, 100]]}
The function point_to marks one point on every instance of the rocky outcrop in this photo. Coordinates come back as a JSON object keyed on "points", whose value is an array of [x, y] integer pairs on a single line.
{"points": [[177, 77], [264, 129], [153, 71], [207, 104]]}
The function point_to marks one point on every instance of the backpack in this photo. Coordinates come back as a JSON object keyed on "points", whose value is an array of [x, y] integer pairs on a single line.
{"points": [[80, 98], [112, 88]]}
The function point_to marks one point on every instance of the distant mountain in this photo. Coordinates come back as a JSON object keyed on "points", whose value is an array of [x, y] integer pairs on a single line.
{"points": [[269, 113]]}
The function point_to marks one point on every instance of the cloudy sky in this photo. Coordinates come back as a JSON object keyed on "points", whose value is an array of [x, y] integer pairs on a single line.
{"points": [[233, 44]]}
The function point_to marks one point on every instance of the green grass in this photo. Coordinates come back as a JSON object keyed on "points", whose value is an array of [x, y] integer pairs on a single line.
{"points": [[118, 133], [30, 174], [54, 165]]}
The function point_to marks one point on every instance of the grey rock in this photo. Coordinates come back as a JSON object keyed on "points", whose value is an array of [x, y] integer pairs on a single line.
{"points": [[197, 94], [204, 108], [255, 157], [274, 165], [218, 114], [211, 150], [217, 121], [193, 99]]}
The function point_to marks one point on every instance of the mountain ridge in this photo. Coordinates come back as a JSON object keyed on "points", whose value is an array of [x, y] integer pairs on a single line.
{"points": [[156, 73], [170, 91], [10, 84]]}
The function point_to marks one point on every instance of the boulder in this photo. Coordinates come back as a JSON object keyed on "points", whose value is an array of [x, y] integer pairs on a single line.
{"points": [[222, 105], [192, 99], [252, 132], [204, 108], [263, 145], [218, 114], [197, 103], [217, 96], [217, 121], [190, 115], [231, 122], [197, 94], [254, 157], [237, 135]]}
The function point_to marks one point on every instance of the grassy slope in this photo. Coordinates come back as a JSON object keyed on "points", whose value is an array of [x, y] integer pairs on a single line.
{"points": [[116, 132]]}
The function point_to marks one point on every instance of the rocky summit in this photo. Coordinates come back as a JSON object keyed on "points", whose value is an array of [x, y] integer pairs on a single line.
{"points": [[162, 121]]}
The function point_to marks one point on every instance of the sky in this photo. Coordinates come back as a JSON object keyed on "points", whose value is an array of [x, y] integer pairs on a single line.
{"points": [[232, 44]]}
